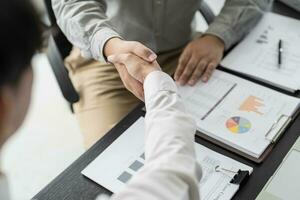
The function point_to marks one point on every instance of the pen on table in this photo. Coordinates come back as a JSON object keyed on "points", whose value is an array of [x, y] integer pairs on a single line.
{"points": [[280, 50]]}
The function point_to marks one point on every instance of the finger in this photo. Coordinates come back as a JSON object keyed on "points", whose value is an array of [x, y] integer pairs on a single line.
{"points": [[121, 70], [135, 66], [188, 70], [144, 52], [183, 60], [111, 58], [118, 58], [125, 59], [131, 84], [208, 72], [138, 90], [135, 87], [197, 72]]}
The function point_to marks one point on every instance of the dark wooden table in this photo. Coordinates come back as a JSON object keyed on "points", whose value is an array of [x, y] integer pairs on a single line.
{"points": [[72, 185]]}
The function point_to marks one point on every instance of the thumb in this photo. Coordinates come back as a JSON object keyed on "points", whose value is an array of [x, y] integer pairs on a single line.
{"points": [[112, 58], [144, 52], [124, 58]]}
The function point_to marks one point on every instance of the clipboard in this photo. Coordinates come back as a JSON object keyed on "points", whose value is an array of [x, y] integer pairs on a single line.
{"points": [[240, 177], [274, 138]]}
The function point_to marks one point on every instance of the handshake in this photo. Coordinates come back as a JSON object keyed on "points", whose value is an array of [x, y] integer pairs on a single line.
{"points": [[134, 62]]}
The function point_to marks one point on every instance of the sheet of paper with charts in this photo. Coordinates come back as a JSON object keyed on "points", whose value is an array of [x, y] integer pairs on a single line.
{"points": [[123, 160], [257, 55], [238, 112]]}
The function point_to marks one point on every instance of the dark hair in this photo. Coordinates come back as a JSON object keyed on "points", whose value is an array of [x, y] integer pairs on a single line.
{"points": [[20, 37]]}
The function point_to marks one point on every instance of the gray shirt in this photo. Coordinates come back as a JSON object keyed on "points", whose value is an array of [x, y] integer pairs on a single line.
{"points": [[161, 25]]}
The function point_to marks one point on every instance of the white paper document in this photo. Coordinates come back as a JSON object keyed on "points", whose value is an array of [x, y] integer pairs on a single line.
{"points": [[114, 167], [237, 112], [257, 55]]}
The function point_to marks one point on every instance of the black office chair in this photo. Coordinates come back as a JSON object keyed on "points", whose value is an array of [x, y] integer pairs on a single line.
{"points": [[206, 12], [59, 48]]}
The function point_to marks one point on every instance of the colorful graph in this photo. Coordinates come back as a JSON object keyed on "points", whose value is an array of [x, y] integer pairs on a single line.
{"points": [[252, 104], [238, 125]]}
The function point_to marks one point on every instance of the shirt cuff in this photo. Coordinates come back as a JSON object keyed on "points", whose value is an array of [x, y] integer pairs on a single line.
{"points": [[158, 81], [99, 40], [223, 32]]}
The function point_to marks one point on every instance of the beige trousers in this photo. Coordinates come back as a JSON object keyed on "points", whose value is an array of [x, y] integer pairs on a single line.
{"points": [[104, 100]]}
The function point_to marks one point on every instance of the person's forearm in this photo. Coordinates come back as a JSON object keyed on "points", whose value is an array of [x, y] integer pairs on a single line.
{"points": [[167, 120], [171, 170], [170, 132], [236, 19], [85, 24]]}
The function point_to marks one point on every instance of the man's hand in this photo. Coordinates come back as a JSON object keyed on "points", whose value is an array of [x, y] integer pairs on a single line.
{"points": [[135, 66], [135, 71], [116, 46], [199, 59]]}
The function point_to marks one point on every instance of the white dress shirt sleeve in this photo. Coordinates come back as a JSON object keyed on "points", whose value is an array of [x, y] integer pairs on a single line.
{"points": [[171, 170]]}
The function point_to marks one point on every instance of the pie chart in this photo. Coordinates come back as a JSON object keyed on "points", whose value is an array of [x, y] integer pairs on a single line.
{"points": [[238, 125]]}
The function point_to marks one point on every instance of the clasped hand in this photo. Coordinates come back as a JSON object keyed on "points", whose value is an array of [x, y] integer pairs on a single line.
{"points": [[133, 61], [133, 71]]}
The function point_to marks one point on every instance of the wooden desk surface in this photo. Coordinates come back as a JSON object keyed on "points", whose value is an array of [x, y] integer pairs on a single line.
{"points": [[72, 185]]}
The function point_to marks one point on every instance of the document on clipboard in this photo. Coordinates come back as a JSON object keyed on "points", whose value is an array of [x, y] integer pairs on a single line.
{"points": [[221, 176], [239, 115], [270, 53]]}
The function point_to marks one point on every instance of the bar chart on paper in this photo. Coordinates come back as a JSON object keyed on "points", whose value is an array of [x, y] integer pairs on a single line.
{"points": [[126, 175], [252, 104]]}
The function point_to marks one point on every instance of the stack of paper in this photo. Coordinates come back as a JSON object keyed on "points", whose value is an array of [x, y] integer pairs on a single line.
{"points": [[257, 55], [123, 161]]}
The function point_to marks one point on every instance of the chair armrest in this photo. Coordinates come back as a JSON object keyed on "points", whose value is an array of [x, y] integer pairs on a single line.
{"points": [[206, 12], [61, 73]]}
